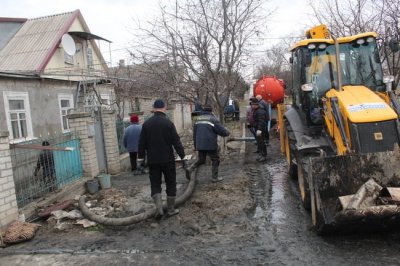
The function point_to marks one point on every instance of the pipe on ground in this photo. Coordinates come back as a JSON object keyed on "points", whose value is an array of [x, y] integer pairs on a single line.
{"points": [[138, 217]]}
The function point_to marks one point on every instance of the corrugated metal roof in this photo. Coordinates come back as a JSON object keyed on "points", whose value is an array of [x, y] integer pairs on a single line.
{"points": [[31, 47]]}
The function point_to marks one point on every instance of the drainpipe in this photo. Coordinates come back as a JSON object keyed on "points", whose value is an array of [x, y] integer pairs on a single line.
{"points": [[102, 139]]}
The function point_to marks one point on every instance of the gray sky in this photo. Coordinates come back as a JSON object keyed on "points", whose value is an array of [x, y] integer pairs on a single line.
{"points": [[112, 19]]}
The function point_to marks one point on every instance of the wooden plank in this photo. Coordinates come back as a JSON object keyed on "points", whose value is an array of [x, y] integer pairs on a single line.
{"points": [[40, 147]]}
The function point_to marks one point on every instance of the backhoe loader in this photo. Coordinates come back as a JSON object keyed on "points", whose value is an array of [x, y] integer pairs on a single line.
{"points": [[340, 134]]}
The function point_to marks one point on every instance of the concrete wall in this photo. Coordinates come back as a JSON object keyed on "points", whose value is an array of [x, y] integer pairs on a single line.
{"points": [[179, 113], [8, 200], [43, 101], [181, 116]]}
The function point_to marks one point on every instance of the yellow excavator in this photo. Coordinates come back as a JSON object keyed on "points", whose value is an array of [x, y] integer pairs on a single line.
{"points": [[340, 134]]}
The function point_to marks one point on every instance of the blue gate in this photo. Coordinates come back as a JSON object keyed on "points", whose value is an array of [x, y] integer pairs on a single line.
{"points": [[68, 164], [32, 183]]}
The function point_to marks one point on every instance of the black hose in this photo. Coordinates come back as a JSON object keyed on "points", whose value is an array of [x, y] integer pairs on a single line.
{"points": [[138, 217]]}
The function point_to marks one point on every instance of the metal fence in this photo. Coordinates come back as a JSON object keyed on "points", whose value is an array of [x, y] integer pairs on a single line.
{"points": [[38, 171]]}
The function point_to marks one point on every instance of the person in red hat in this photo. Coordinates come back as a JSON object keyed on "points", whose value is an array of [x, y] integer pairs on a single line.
{"points": [[131, 140]]}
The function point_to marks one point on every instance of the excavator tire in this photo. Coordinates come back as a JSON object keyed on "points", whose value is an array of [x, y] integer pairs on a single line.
{"points": [[303, 164], [291, 149]]}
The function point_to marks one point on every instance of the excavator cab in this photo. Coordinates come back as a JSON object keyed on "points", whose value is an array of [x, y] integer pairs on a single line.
{"points": [[315, 70]]}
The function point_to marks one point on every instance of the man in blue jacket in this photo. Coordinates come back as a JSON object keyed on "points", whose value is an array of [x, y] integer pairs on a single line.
{"points": [[206, 130], [131, 140], [158, 140]]}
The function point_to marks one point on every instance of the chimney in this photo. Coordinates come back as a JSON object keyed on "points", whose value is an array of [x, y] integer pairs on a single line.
{"points": [[122, 63]]}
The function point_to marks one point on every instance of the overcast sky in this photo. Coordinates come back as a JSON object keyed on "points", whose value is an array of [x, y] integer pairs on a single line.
{"points": [[112, 19]]}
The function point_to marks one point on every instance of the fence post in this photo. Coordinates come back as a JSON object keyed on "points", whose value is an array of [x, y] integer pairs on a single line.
{"points": [[8, 200], [111, 141], [82, 125]]}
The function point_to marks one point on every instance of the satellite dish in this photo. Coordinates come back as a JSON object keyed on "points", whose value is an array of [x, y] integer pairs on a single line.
{"points": [[68, 44]]}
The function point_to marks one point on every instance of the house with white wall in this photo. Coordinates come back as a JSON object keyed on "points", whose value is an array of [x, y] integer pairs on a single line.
{"points": [[48, 66]]}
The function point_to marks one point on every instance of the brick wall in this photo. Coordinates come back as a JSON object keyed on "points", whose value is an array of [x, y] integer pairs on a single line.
{"points": [[80, 124], [111, 141], [8, 200]]}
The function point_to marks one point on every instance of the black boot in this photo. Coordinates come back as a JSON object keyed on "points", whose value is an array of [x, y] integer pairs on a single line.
{"points": [[158, 201], [215, 177], [171, 206]]}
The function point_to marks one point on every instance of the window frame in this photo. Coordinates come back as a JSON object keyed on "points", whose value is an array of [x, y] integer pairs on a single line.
{"points": [[68, 59], [65, 96], [14, 95], [89, 57]]}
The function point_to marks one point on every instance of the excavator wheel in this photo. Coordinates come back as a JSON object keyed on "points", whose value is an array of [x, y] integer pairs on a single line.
{"points": [[302, 175], [290, 144]]}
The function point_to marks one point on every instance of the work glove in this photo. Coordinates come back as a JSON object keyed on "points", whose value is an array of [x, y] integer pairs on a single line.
{"points": [[258, 133]]}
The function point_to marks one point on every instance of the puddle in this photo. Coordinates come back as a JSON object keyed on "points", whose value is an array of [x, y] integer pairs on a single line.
{"points": [[278, 191]]}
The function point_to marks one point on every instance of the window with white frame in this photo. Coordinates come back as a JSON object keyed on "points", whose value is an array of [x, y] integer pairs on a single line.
{"points": [[68, 59], [105, 99], [89, 54], [18, 114], [65, 102]]}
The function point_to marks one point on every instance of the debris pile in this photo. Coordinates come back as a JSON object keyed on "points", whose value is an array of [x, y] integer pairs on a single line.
{"points": [[108, 203]]}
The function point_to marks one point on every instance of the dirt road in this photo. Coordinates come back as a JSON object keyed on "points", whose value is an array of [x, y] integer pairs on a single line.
{"points": [[253, 217]]}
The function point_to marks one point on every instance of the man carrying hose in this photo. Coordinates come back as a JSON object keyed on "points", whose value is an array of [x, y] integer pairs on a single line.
{"points": [[158, 140], [206, 130]]}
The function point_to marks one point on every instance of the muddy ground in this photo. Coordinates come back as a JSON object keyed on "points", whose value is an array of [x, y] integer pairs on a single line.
{"points": [[253, 217]]}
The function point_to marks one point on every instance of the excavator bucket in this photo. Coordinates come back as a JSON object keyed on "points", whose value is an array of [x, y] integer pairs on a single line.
{"points": [[355, 189]]}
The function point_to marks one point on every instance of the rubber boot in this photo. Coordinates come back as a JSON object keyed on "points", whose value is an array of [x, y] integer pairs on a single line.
{"points": [[171, 206], [158, 201], [215, 177]]}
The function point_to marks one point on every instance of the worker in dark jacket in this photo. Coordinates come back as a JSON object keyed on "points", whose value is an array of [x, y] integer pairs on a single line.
{"points": [[267, 107], [158, 140], [260, 117], [206, 130]]}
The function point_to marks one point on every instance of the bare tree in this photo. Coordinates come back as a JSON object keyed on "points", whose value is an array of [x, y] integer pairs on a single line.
{"points": [[276, 62], [205, 41], [349, 17]]}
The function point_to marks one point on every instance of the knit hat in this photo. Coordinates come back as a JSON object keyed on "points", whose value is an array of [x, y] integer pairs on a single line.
{"points": [[158, 104], [254, 101], [134, 119]]}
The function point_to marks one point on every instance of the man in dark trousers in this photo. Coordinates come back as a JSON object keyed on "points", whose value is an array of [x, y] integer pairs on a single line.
{"points": [[131, 140], [206, 130], [260, 117], [158, 140], [267, 107]]}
